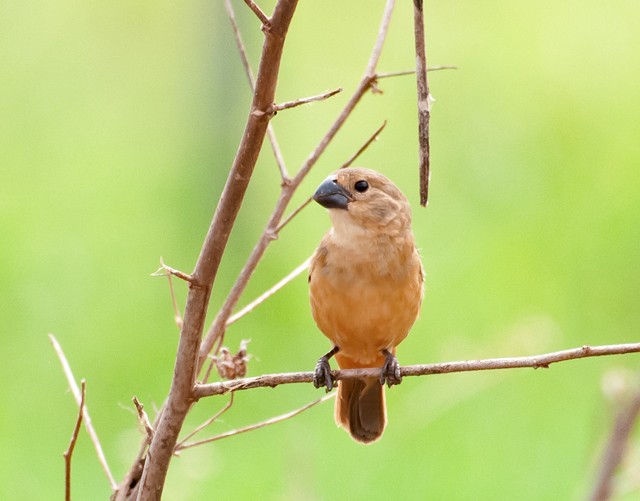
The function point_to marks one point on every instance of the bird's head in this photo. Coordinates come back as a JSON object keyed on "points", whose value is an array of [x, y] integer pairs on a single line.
{"points": [[361, 199]]}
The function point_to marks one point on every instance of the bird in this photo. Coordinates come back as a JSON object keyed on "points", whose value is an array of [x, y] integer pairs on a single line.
{"points": [[365, 288]]}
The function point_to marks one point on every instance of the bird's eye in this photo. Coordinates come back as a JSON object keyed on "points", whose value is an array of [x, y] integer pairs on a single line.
{"points": [[361, 186]]}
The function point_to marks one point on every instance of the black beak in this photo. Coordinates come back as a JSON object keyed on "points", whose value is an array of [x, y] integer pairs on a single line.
{"points": [[331, 195]]}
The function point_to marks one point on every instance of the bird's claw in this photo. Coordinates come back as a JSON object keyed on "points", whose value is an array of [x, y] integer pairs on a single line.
{"points": [[390, 370], [322, 374]]}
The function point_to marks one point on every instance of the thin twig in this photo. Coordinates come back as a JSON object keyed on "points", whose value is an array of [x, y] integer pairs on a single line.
{"points": [[72, 444], [144, 419], [215, 417], [372, 138], [615, 449], [305, 100], [380, 76], [258, 12], [262, 424], [87, 419], [535, 362], [216, 332], [268, 293], [424, 103], [252, 84]]}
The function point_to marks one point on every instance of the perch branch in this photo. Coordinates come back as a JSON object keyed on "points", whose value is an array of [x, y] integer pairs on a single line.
{"points": [[85, 412], [72, 444], [262, 424], [218, 328], [180, 400], [615, 449], [535, 362]]}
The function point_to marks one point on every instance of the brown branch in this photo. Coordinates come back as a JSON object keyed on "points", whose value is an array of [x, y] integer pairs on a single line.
{"points": [[252, 84], [413, 72], [615, 449], [72, 444], [305, 100], [261, 424], [180, 395], [165, 270], [85, 412], [258, 12], [218, 328], [535, 362], [424, 104]]}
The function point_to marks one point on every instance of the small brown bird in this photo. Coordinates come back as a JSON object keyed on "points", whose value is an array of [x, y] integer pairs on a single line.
{"points": [[365, 286]]}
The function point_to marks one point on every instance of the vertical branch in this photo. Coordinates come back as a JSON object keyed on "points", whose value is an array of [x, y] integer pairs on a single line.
{"points": [[72, 444], [180, 395], [424, 104]]}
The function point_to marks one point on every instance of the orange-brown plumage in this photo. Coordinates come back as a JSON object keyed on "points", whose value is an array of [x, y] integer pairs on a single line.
{"points": [[365, 285]]}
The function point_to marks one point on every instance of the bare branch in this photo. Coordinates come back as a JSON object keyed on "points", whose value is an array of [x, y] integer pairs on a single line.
{"points": [[181, 444], [217, 330], [258, 12], [262, 424], [252, 84], [87, 419], [424, 103], [305, 100], [615, 449], [187, 364], [72, 444], [535, 362]]}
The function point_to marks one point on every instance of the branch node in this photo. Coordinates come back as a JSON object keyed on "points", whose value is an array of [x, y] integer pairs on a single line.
{"points": [[168, 270], [266, 22]]}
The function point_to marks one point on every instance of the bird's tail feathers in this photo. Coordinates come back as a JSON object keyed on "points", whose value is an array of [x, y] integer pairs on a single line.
{"points": [[360, 408]]}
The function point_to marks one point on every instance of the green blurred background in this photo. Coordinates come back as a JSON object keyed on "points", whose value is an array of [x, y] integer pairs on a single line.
{"points": [[119, 124]]}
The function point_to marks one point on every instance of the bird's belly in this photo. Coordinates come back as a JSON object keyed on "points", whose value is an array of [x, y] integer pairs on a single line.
{"points": [[363, 319]]}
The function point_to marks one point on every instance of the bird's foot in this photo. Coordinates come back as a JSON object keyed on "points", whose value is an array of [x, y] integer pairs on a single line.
{"points": [[322, 374], [390, 370]]}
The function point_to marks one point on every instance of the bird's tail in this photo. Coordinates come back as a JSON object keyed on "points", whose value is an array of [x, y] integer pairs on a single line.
{"points": [[360, 408]]}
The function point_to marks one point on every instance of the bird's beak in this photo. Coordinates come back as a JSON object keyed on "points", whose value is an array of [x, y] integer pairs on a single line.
{"points": [[332, 195]]}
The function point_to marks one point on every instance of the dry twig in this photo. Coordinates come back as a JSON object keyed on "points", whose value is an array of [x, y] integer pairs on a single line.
{"points": [[261, 424], [85, 412], [535, 362], [72, 444]]}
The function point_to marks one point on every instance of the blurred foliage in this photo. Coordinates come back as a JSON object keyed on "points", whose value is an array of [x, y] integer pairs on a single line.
{"points": [[120, 122]]}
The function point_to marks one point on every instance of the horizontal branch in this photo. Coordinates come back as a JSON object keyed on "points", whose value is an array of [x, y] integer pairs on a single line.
{"points": [[534, 362]]}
